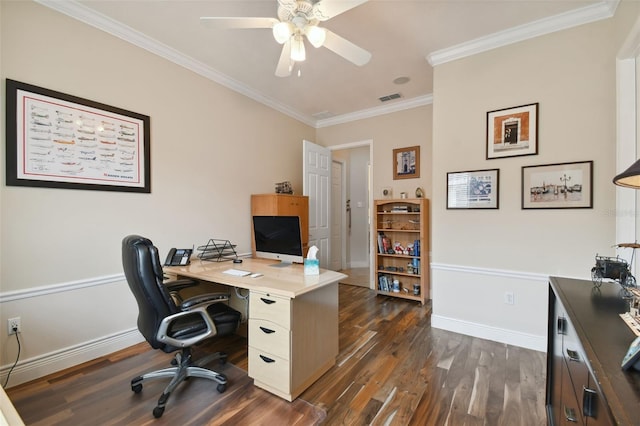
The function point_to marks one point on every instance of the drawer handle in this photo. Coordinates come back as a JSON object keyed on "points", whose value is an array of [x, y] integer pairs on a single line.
{"points": [[589, 402], [561, 326], [267, 359], [573, 355], [267, 330], [267, 301], [570, 414]]}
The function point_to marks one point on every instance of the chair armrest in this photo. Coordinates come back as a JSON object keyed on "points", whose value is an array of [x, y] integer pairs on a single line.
{"points": [[177, 285], [162, 336], [203, 300]]}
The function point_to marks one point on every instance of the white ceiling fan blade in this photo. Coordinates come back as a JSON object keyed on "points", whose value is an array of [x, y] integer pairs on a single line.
{"points": [[284, 64], [239, 22], [327, 9], [346, 49]]}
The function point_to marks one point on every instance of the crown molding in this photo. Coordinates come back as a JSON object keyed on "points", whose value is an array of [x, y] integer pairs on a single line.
{"points": [[78, 11], [376, 111], [602, 10], [88, 16]]}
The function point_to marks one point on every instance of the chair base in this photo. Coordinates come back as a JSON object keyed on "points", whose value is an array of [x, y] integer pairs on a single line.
{"points": [[184, 368]]}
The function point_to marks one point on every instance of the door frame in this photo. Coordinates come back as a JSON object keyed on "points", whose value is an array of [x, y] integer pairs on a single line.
{"points": [[628, 94], [368, 143]]}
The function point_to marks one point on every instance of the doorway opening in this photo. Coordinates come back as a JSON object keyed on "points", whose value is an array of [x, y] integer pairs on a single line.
{"points": [[351, 200]]}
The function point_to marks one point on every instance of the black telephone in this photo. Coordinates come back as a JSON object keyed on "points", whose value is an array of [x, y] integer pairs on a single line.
{"points": [[178, 257]]}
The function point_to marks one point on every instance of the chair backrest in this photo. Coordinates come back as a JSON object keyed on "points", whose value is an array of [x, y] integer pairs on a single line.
{"points": [[143, 271]]}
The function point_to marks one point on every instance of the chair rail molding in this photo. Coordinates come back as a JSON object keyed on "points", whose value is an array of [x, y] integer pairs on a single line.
{"points": [[11, 296]]}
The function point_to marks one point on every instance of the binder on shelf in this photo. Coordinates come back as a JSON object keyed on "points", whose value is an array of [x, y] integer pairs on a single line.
{"points": [[217, 250]]}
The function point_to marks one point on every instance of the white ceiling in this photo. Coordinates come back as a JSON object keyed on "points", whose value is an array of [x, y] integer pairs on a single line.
{"points": [[406, 38]]}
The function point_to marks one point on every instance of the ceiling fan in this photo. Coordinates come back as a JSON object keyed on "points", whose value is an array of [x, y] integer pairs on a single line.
{"points": [[298, 19]]}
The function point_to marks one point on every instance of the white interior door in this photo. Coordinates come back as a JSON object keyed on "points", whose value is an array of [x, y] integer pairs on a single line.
{"points": [[316, 172]]}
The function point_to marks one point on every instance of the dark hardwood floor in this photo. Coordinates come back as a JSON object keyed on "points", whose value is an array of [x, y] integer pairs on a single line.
{"points": [[392, 369]]}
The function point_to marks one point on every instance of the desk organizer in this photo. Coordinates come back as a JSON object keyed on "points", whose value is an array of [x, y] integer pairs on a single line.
{"points": [[217, 250]]}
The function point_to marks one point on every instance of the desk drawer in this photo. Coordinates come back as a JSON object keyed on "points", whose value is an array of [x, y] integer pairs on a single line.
{"points": [[269, 337], [271, 308], [575, 359], [270, 369]]}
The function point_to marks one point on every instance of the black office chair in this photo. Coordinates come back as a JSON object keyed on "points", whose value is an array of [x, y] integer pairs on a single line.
{"points": [[170, 323]]}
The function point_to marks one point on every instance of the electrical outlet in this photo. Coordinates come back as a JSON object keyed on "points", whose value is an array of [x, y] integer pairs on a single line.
{"points": [[13, 323], [509, 298]]}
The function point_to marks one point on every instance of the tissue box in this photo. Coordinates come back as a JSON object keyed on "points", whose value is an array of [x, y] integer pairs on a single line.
{"points": [[312, 267]]}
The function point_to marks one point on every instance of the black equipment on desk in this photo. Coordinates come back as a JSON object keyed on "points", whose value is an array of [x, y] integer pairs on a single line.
{"points": [[178, 257]]}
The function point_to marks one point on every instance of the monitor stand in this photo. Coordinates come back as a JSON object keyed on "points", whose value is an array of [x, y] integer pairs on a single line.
{"points": [[282, 264]]}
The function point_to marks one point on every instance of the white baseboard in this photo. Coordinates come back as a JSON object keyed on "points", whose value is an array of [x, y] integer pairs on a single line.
{"points": [[34, 368], [495, 334]]}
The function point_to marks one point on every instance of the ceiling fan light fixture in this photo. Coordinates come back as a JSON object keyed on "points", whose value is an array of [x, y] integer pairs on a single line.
{"points": [[315, 35], [297, 49], [282, 32]]}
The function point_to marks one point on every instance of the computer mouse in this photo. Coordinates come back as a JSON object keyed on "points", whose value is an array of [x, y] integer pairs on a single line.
{"points": [[237, 260]]}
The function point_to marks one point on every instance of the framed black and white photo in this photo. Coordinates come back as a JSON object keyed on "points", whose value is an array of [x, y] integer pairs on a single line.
{"points": [[512, 131], [57, 140], [406, 163], [558, 186], [477, 189]]}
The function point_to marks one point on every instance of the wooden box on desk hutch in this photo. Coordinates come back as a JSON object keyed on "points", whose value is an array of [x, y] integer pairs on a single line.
{"points": [[402, 225], [282, 205]]}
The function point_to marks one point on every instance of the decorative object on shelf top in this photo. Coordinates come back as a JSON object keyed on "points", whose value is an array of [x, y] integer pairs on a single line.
{"points": [[284, 187], [387, 192], [217, 250], [419, 192]]}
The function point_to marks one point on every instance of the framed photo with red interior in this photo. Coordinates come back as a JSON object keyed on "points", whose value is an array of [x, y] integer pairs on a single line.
{"points": [[512, 132]]}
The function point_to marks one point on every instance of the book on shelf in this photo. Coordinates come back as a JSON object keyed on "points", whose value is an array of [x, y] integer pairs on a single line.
{"points": [[384, 243], [384, 283]]}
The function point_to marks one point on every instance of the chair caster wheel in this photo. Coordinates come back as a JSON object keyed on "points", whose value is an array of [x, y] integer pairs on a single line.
{"points": [[137, 388], [221, 388], [157, 412]]}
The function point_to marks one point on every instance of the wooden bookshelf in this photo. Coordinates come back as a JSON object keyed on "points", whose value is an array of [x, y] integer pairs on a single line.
{"points": [[402, 248]]}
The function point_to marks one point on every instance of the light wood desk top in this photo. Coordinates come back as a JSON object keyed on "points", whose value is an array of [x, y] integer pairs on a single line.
{"points": [[287, 281]]}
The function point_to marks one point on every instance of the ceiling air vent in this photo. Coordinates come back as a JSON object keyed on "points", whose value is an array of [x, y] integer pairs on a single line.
{"points": [[390, 97]]}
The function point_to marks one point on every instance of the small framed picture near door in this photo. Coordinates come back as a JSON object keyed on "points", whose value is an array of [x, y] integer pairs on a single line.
{"points": [[512, 131], [406, 163]]}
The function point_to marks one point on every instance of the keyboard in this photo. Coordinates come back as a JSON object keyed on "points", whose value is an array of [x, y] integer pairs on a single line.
{"points": [[237, 272]]}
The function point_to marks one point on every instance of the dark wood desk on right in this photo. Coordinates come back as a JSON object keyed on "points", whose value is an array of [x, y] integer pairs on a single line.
{"points": [[587, 341]]}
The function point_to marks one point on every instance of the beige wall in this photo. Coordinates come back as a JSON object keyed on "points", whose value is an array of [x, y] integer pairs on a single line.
{"points": [[478, 256], [397, 130], [206, 144]]}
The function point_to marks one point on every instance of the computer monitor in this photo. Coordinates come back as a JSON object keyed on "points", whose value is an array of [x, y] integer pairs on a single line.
{"points": [[278, 238]]}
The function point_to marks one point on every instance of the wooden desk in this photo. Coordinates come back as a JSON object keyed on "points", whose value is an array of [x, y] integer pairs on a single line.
{"points": [[293, 320], [587, 340]]}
